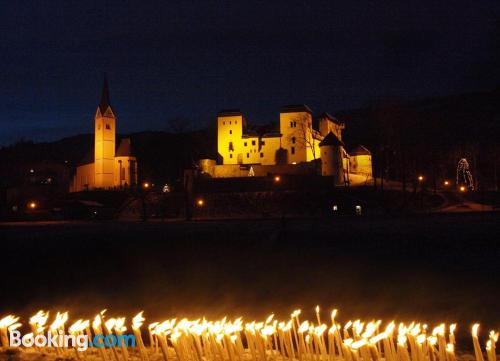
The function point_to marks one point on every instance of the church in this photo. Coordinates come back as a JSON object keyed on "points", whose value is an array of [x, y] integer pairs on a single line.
{"points": [[112, 167]]}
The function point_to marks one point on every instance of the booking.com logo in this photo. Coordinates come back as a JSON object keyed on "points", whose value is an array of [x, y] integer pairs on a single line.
{"points": [[78, 342]]}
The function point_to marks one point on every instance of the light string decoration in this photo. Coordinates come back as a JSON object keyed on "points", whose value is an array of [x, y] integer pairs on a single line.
{"points": [[464, 176]]}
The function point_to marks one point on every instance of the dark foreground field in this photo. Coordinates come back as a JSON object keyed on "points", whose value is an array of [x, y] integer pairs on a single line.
{"points": [[435, 268]]}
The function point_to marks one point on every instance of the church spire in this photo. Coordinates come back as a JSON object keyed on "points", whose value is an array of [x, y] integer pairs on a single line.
{"points": [[104, 104]]}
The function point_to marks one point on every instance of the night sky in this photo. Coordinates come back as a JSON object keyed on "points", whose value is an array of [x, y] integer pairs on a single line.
{"points": [[166, 59]]}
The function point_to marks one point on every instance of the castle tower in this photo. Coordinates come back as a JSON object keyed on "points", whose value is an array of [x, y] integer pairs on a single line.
{"points": [[331, 158], [104, 141]]}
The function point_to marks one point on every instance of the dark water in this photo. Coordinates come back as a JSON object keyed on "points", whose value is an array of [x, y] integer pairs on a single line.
{"points": [[434, 268]]}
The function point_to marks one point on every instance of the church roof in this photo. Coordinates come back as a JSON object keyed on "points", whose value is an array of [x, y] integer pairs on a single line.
{"points": [[359, 150], [331, 139], [105, 103], [124, 149]]}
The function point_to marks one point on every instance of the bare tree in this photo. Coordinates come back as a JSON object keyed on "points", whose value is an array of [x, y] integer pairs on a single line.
{"points": [[304, 135]]}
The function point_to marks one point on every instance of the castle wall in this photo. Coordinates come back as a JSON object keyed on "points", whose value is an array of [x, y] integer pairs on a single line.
{"points": [[235, 171], [361, 164]]}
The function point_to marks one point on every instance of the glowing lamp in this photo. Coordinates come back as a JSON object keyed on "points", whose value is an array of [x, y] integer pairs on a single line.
{"points": [[200, 202], [32, 205], [446, 183], [420, 178], [462, 188], [145, 185], [277, 179]]}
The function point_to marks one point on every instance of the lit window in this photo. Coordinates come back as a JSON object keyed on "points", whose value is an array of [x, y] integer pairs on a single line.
{"points": [[262, 155], [293, 150]]}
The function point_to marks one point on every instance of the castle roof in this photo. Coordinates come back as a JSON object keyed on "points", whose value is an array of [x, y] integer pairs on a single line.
{"points": [[359, 150], [331, 117], [293, 108], [229, 112], [331, 139], [105, 103]]}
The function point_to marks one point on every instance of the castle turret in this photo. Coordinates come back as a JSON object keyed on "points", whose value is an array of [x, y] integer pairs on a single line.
{"points": [[331, 157], [104, 141]]}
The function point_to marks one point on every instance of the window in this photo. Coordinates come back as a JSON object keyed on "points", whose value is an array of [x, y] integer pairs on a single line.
{"points": [[262, 155], [229, 122], [223, 123], [245, 144], [108, 126], [231, 148], [293, 140], [293, 150], [262, 142], [235, 122], [253, 142], [230, 155], [291, 124], [295, 124], [231, 131], [248, 155]]}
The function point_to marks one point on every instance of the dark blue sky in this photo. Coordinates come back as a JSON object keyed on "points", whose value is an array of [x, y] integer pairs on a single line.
{"points": [[191, 58]]}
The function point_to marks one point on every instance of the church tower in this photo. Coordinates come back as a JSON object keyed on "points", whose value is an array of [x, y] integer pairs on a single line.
{"points": [[104, 141]]}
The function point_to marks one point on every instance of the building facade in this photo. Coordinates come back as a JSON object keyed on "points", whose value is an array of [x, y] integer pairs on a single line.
{"points": [[112, 168], [300, 139]]}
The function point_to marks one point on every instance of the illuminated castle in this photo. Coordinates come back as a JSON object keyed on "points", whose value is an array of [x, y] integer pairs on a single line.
{"points": [[296, 147], [112, 168]]}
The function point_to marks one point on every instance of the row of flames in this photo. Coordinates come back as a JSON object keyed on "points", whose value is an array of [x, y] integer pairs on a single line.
{"points": [[234, 340]]}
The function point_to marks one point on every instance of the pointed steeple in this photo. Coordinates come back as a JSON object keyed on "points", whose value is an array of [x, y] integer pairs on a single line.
{"points": [[104, 104]]}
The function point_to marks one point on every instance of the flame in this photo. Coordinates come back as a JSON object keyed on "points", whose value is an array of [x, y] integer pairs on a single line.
{"points": [[110, 324], [453, 327], [78, 326], [8, 321], [60, 320], [39, 319], [475, 328], [450, 348], [137, 321], [304, 326]]}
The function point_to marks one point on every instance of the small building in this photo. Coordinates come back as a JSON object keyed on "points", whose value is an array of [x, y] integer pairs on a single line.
{"points": [[332, 158], [111, 168], [360, 162]]}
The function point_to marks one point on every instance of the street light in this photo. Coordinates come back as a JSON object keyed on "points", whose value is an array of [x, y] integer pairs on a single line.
{"points": [[446, 183], [420, 178], [277, 179], [145, 185], [32, 205], [462, 188], [200, 202]]}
